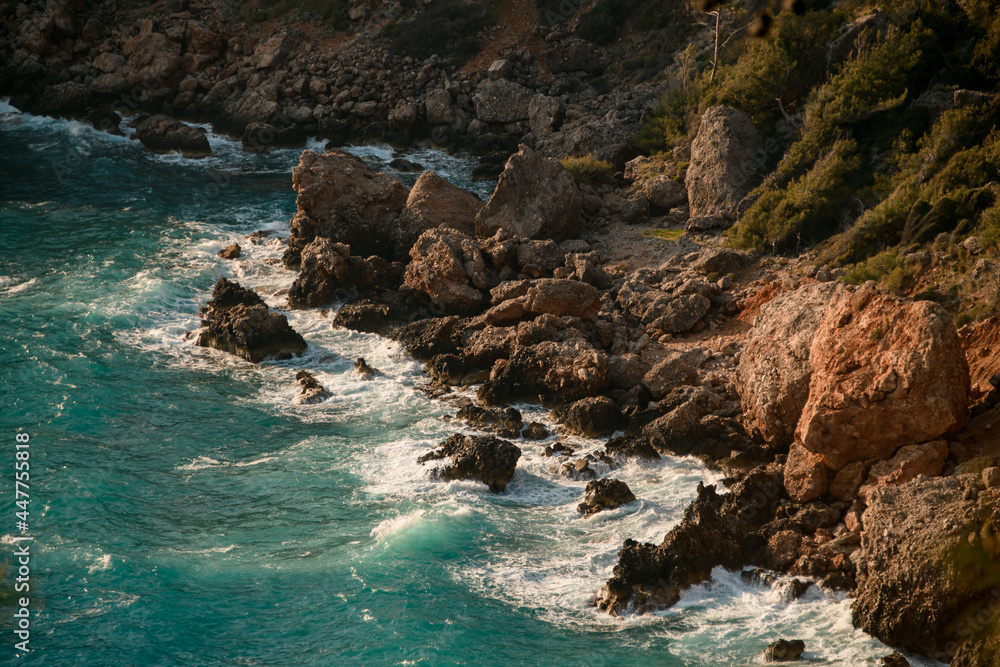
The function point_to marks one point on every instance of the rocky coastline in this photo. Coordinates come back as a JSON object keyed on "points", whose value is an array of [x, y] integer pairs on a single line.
{"points": [[854, 426]]}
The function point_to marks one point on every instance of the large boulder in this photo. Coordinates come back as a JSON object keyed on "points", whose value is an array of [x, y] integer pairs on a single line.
{"points": [[535, 199], [153, 58], [554, 296], [163, 134], [238, 321], [549, 370], [886, 373], [434, 202], [343, 199], [590, 417], [927, 569], [481, 458], [502, 101], [324, 269], [727, 158], [773, 374], [449, 268]]}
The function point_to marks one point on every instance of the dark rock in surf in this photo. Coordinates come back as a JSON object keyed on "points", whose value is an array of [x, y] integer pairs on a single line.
{"points": [[482, 458], [605, 494], [784, 650], [312, 391], [163, 134]]}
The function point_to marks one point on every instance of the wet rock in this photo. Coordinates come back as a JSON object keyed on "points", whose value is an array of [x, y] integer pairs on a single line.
{"points": [[773, 373], [578, 469], [535, 431], [231, 252], [427, 338], [784, 650], [449, 268], [434, 202], [759, 576], [163, 134], [550, 370], [362, 368], [631, 447], [312, 391], [727, 158], [402, 164], [323, 270], [105, 119], [342, 199], [716, 530], [895, 659], [590, 417], [485, 459], [504, 422], [379, 313], [934, 540], [605, 494], [535, 199], [238, 321]]}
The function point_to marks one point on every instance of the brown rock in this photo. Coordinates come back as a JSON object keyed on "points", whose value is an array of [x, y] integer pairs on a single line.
{"points": [[663, 194], [163, 134], [231, 252], [553, 370], [912, 460], [605, 494], [434, 202], [672, 372], [563, 297], [773, 373], [806, 474], [887, 373], [343, 199], [445, 266], [324, 267], [485, 459], [534, 199], [590, 417], [848, 480], [312, 391]]}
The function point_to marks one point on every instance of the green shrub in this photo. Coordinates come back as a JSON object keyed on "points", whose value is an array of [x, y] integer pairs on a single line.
{"points": [[807, 209], [589, 170], [600, 25], [886, 267]]}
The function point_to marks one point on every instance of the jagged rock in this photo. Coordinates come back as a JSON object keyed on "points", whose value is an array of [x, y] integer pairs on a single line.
{"points": [[627, 370], [324, 267], [906, 464], [551, 370], [535, 199], [504, 422], [362, 368], [605, 494], [342, 199], [784, 650], [272, 52], [716, 530], [427, 338], [238, 322], [590, 417], [231, 252], [153, 59], [927, 568], [680, 314], [377, 313], [312, 391], [895, 659], [727, 157], [673, 371], [450, 269], [773, 373], [434, 202], [163, 134], [481, 458], [631, 447], [105, 119], [535, 431], [886, 373], [545, 114], [721, 261], [238, 114]]}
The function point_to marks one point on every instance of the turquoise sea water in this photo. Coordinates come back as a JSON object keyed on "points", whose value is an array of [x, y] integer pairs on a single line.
{"points": [[186, 512]]}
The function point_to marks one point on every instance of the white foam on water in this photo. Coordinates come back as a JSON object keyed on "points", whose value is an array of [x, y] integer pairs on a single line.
{"points": [[16, 288], [101, 564]]}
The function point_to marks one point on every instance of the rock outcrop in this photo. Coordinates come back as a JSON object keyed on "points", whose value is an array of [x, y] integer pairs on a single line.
{"points": [[342, 199], [927, 569], [238, 321], [535, 199], [727, 158], [550, 371], [449, 268], [434, 202], [481, 458], [886, 374]]}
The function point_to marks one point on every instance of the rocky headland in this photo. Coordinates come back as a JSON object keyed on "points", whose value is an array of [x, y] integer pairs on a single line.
{"points": [[723, 293]]}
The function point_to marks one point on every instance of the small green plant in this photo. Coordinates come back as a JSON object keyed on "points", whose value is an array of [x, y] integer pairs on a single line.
{"points": [[877, 333], [665, 234], [588, 170]]}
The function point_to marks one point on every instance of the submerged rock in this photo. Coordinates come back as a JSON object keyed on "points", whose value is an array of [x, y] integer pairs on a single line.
{"points": [[362, 368], [231, 252], [605, 494], [238, 321], [482, 458]]}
